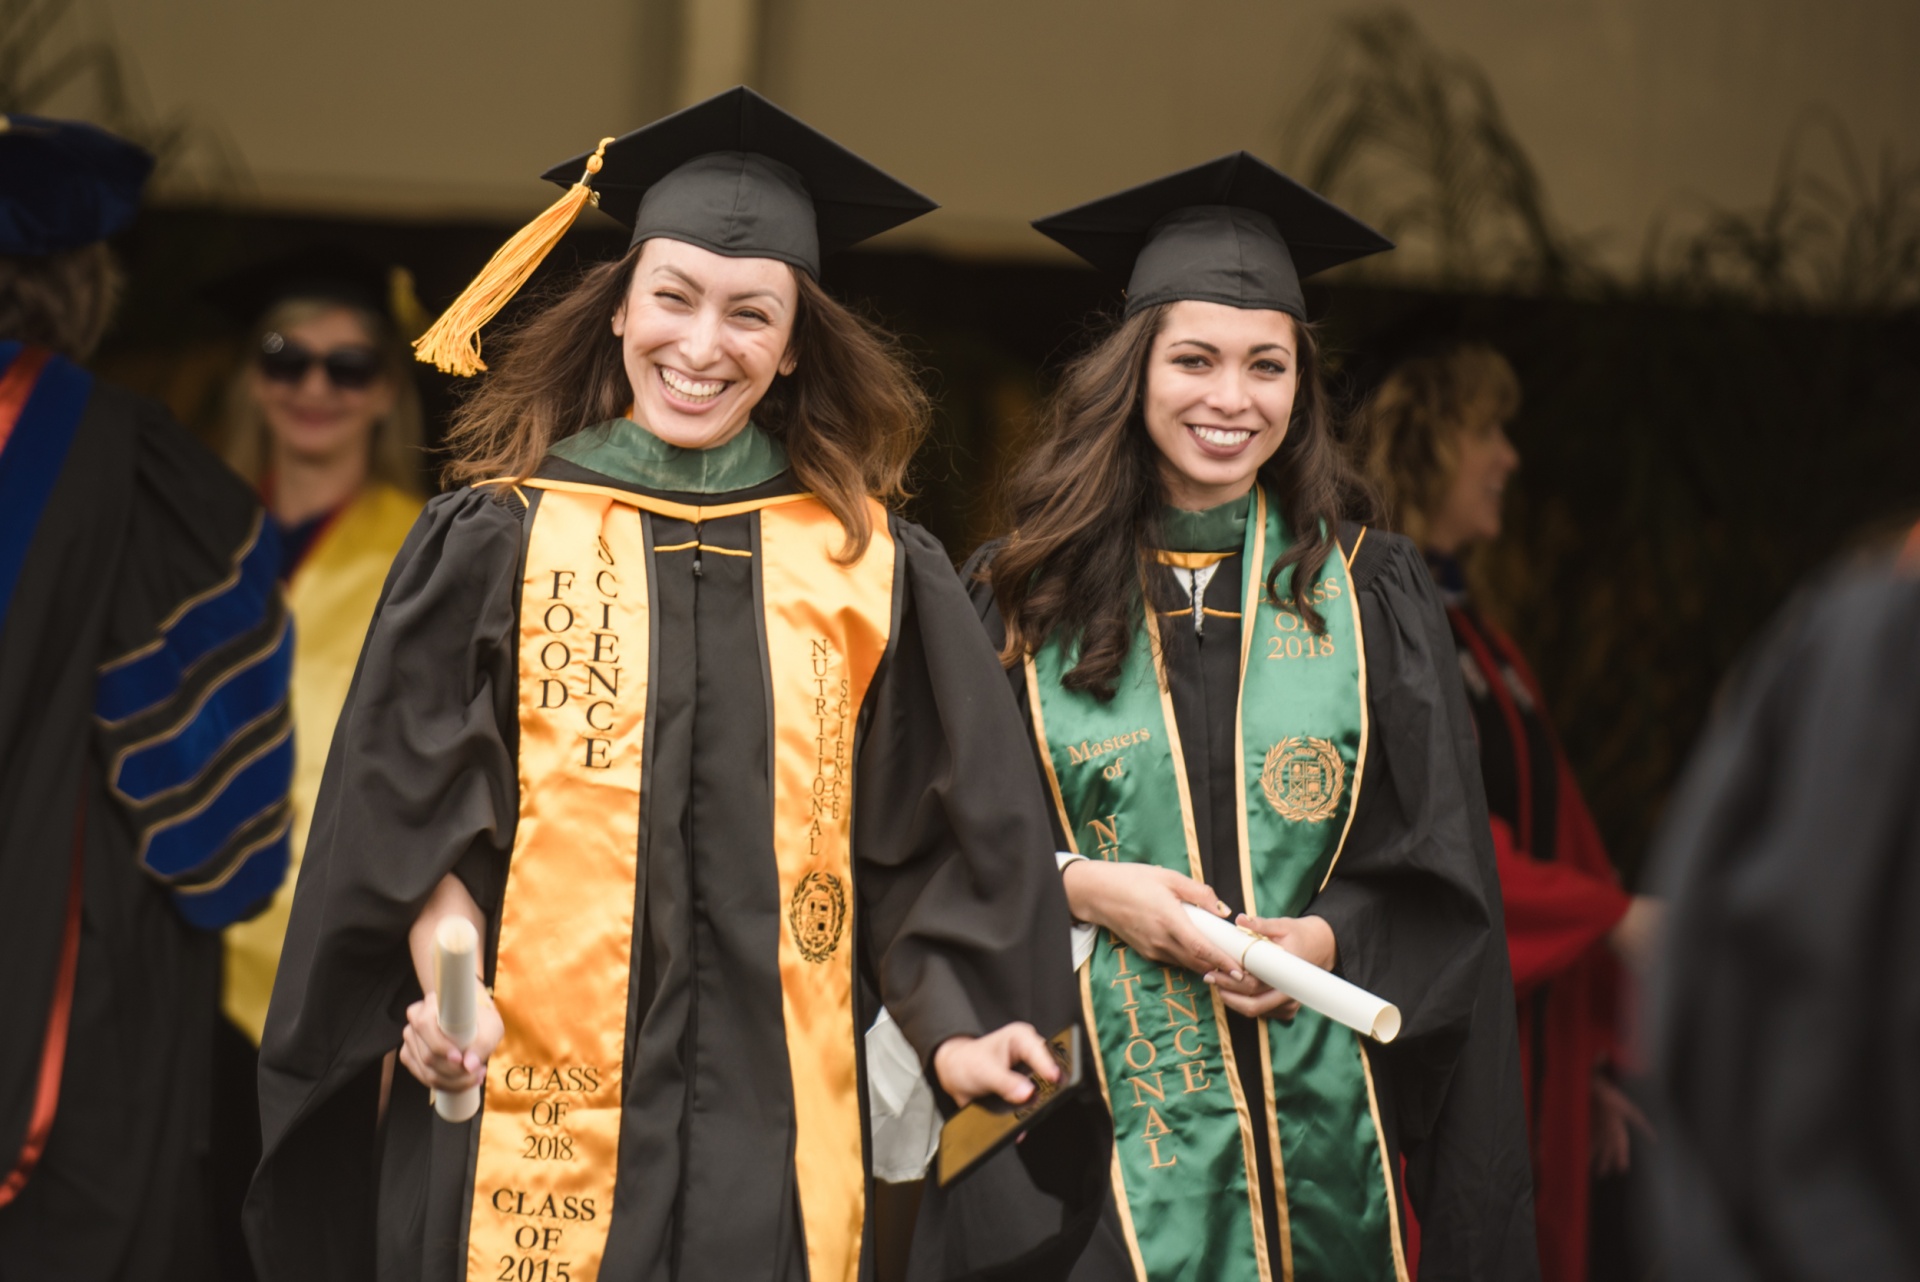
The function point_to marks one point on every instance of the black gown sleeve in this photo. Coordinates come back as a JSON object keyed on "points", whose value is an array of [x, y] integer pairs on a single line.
{"points": [[420, 781], [1414, 903], [1787, 1000], [191, 707], [983, 926], [1407, 901], [964, 909]]}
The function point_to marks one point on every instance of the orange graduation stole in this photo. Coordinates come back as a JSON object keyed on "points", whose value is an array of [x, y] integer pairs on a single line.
{"points": [[550, 1122]]}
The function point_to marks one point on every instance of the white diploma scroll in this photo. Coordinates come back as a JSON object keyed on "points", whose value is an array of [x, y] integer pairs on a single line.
{"points": [[457, 990], [1318, 990]]}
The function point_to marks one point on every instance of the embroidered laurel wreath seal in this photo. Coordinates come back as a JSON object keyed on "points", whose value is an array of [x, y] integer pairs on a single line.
{"points": [[1303, 779], [818, 915]]}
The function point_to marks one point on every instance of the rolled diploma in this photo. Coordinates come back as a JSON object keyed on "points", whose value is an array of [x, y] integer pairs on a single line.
{"points": [[1318, 990], [457, 989]]}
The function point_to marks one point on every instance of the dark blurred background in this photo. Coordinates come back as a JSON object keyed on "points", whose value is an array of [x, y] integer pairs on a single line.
{"points": [[1696, 235]]}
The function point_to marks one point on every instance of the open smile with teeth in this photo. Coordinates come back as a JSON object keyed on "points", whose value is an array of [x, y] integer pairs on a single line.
{"points": [[1221, 437], [692, 389]]}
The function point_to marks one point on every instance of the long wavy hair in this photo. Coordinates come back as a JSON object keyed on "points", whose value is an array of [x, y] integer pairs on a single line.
{"points": [[1085, 507], [850, 416], [1411, 426]]}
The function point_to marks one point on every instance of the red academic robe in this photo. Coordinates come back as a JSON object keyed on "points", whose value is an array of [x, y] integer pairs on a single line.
{"points": [[1562, 898]]}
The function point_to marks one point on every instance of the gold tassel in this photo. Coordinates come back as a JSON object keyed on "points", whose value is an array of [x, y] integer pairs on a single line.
{"points": [[453, 343]]}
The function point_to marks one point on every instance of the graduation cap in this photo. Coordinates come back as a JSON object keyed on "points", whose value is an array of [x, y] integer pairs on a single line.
{"points": [[1234, 230], [324, 273], [734, 175], [64, 184]]}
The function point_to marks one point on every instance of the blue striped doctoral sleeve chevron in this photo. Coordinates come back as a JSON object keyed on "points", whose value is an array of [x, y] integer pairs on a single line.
{"points": [[199, 742]]}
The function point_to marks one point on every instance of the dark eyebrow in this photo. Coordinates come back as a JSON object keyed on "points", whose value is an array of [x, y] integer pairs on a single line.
{"points": [[1252, 351], [698, 288]]}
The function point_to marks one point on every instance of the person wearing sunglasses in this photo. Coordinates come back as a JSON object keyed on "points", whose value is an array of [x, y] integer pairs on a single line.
{"points": [[324, 419], [323, 415]]}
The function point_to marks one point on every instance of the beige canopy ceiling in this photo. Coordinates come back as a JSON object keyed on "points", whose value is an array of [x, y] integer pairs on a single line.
{"points": [[1001, 109]]}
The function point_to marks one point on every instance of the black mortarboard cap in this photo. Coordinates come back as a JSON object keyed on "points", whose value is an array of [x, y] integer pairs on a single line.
{"points": [[1234, 230], [64, 184], [734, 174], [738, 176], [327, 273]]}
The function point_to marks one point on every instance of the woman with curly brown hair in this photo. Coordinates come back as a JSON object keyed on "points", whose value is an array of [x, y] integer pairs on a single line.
{"points": [[1245, 702], [671, 708], [1434, 438]]}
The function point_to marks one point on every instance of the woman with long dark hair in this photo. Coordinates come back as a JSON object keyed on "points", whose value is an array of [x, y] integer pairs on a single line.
{"points": [[684, 721], [1246, 702]]}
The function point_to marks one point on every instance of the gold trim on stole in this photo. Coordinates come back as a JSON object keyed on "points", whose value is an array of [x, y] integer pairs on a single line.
{"points": [[1252, 586], [1251, 611], [1190, 560], [1386, 1165], [659, 507], [550, 1126], [827, 628], [1125, 1208], [1366, 720], [1197, 870]]}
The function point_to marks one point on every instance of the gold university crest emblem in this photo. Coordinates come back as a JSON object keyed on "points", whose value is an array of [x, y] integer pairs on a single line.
{"points": [[1303, 779], [818, 915]]}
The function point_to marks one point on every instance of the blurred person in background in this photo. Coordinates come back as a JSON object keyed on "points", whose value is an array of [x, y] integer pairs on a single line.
{"points": [[145, 747], [1246, 702], [324, 420], [1433, 438], [1786, 1011]]}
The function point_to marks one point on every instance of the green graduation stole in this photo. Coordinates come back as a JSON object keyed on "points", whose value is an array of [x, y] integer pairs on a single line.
{"points": [[1184, 1174]]}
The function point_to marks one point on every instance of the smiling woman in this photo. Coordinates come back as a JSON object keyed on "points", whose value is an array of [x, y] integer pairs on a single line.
{"points": [[672, 708], [703, 337], [1219, 397], [1224, 395], [746, 340], [1185, 572]]}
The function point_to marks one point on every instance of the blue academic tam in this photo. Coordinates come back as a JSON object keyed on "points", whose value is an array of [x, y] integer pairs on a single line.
{"points": [[64, 184]]}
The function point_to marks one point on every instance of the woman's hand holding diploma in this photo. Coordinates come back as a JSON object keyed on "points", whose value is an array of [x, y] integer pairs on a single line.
{"points": [[1308, 938], [426, 1051], [1146, 905], [1267, 958]]}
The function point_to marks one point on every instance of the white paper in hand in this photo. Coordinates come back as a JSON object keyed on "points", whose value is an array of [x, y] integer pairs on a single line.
{"points": [[457, 994], [1318, 990]]}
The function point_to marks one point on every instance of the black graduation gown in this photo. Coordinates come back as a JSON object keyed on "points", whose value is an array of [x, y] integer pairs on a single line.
{"points": [[1414, 905], [140, 521], [1787, 1001], [961, 918]]}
